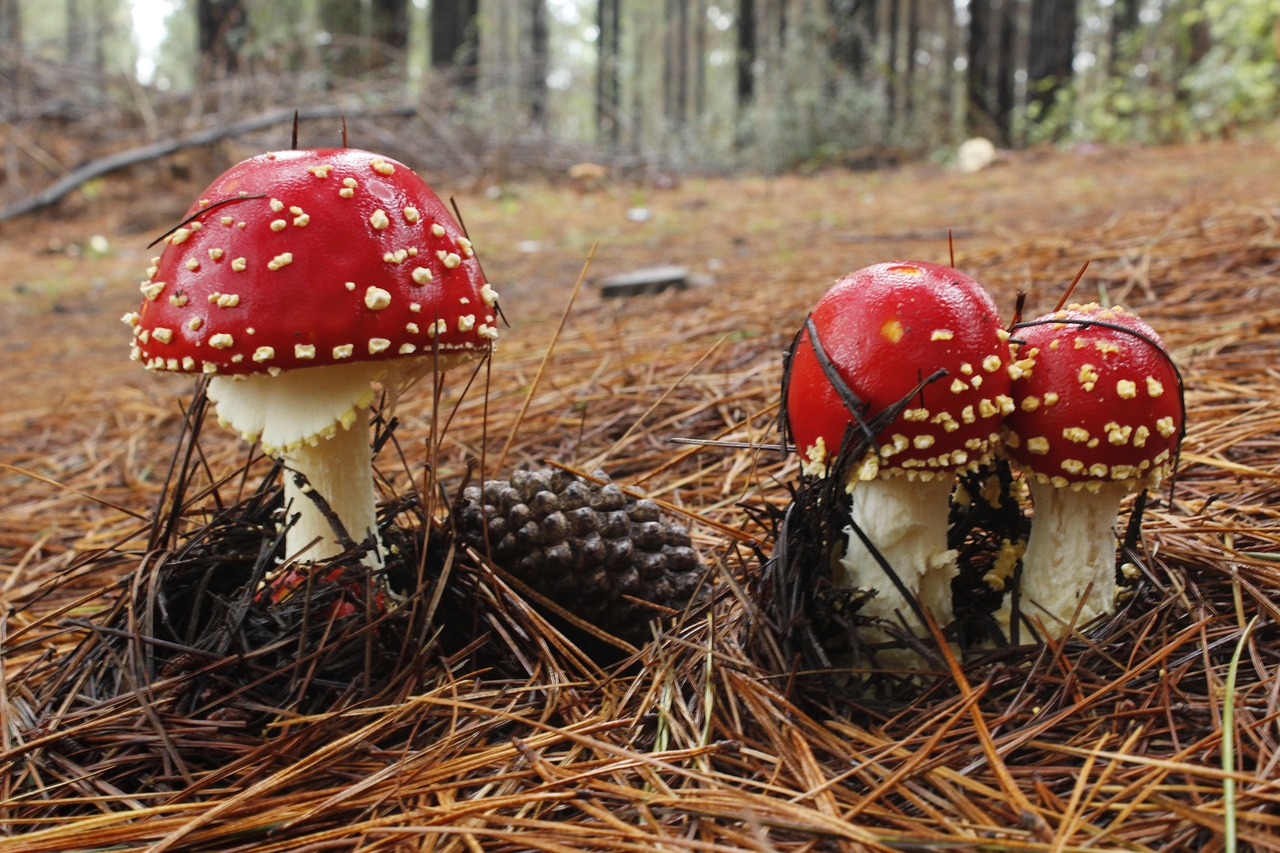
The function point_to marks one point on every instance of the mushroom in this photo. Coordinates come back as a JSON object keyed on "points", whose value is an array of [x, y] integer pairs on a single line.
{"points": [[922, 344], [1099, 415], [299, 280]]}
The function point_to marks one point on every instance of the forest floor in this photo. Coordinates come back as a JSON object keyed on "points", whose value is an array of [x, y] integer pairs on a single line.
{"points": [[760, 249], [1187, 236]]}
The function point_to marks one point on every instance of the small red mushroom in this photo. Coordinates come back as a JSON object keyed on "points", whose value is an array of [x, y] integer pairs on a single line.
{"points": [[297, 281], [1099, 415], [886, 329]]}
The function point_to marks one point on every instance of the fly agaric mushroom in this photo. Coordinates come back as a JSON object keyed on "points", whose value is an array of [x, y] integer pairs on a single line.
{"points": [[1099, 415], [297, 281], [885, 330]]}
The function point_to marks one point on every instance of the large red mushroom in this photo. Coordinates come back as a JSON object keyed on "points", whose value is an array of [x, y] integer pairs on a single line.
{"points": [[928, 338], [1099, 415], [298, 281]]}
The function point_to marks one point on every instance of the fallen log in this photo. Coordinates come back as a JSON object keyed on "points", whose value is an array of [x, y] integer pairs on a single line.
{"points": [[133, 156]]}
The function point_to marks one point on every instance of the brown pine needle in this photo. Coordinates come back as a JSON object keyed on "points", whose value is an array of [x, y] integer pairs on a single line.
{"points": [[542, 365], [79, 492], [604, 455], [1071, 287]]}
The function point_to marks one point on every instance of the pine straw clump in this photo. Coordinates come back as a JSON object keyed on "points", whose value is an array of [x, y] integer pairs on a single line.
{"points": [[195, 637], [170, 710]]}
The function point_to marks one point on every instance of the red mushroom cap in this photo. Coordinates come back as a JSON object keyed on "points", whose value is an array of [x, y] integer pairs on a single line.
{"points": [[307, 258], [1099, 403], [885, 328]]}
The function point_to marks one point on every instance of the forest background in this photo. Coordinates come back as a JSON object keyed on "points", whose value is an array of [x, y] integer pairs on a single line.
{"points": [[501, 87]]}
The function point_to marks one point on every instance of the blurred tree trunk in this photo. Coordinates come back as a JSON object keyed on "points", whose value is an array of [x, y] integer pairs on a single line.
{"points": [[1124, 20], [343, 23], [1007, 69], [455, 39], [991, 69], [977, 69], [643, 97], [1196, 38], [77, 32], [948, 81], [11, 26], [852, 34], [700, 52], [746, 58], [389, 29], [909, 71], [608, 80], [535, 73], [675, 74], [1051, 51], [89, 26], [370, 37], [893, 81], [12, 68], [222, 29]]}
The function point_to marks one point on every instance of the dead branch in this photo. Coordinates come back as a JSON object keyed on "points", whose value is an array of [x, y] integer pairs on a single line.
{"points": [[145, 153]]}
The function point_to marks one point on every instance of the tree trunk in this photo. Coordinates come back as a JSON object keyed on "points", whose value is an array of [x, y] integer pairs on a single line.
{"points": [[909, 69], [1051, 50], [455, 39], [14, 70], [1006, 70], [980, 102], [77, 32], [1124, 20], [675, 65], [851, 40], [847, 40], [343, 23], [948, 84], [88, 29], [992, 66], [699, 58], [535, 76], [893, 80], [746, 58], [389, 29], [104, 31], [223, 28], [11, 26], [608, 81]]}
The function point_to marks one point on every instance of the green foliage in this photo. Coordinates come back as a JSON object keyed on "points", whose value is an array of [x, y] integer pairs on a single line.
{"points": [[1203, 70], [1120, 110], [1236, 83]]}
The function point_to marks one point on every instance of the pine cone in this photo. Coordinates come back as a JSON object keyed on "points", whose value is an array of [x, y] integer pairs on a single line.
{"points": [[589, 547]]}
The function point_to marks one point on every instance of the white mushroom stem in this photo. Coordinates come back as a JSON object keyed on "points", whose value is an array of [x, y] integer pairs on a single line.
{"points": [[339, 469], [1072, 545], [906, 520], [317, 420]]}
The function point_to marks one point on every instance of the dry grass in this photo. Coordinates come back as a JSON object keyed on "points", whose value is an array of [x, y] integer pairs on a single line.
{"points": [[470, 722]]}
